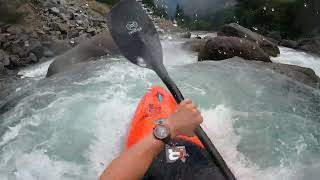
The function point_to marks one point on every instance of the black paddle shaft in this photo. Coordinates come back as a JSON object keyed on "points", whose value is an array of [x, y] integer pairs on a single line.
{"points": [[138, 40], [205, 140]]}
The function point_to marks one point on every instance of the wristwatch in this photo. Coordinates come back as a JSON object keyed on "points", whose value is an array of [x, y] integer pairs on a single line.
{"points": [[162, 133]]}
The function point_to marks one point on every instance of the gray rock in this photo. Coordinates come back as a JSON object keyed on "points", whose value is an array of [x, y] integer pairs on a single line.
{"points": [[73, 33], [15, 61], [6, 59], [54, 10], [81, 38], [289, 43], [2, 54], [2, 38], [185, 35], [100, 45], [32, 58], [37, 48], [194, 44], [294, 75], [61, 2], [64, 17], [18, 51], [220, 48], [2, 68], [275, 35], [64, 28], [300, 74], [15, 29], [235, 30], [91, 30], [311, 45]]}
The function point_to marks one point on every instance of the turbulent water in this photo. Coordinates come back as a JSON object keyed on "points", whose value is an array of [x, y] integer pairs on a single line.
{"points": [[72, 125]]}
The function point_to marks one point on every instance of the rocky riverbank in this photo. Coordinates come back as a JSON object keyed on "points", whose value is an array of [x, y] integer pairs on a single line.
{"points": [[49, 28]]}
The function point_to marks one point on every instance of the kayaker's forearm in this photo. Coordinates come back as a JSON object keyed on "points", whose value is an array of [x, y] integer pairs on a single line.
{"points": [[134, 163]]}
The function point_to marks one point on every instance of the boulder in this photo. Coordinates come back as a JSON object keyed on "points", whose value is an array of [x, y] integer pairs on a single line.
{"points": [[289, 43], [300, 74], [311, 45], [15, 61], [15, 29], [100, 45], [185, 35], [275, 35], [54, 10], [235, 30], [32, 58], [194, 44], [220, 48], [4, 58], [2, 68], [62, 27], [291, 73]]}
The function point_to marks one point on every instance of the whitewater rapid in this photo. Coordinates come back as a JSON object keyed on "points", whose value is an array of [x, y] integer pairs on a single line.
{"points": [[72, 125]]}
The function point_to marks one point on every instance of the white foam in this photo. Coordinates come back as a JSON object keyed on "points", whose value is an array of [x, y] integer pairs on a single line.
{"points": [[38, 165], [293, 57], [36, 71], [218, 124]]}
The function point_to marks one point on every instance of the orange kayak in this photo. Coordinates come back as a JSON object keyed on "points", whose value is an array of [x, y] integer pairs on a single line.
{"points": [[187, 159], [157, 104]]}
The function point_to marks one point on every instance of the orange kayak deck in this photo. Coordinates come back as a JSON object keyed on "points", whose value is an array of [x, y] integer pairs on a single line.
{"points": [[157, 104]]}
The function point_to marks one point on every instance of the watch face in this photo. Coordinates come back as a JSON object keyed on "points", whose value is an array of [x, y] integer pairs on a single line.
{"points": [[161, 132]]}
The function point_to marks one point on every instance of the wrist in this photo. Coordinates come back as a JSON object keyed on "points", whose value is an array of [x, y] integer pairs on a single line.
{"points": [[170, 124]]}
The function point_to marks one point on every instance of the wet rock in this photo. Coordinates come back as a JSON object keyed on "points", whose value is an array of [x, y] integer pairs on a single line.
{"points": [[32, 58], [291, 73], [14, 29], [289, 43], [18, 51], [2, 68], [220, 48], [235, 30], [37, 49], [311, 45], [2, 38], [81, 38], [15, 62], [54, 10], [73, 33], [275, 35], [300, 74], [185, 35], [100, 45], [64, 28], [91, 31], [194, 44], [4, 58]]}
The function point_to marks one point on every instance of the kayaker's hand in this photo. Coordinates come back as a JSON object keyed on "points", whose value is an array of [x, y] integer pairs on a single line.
{"points": [[185, 119]]}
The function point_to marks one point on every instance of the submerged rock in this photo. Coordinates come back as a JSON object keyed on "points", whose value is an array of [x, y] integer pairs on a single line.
{"points": [[235, 30], [293, 74], [220, 48], [100, 45]]}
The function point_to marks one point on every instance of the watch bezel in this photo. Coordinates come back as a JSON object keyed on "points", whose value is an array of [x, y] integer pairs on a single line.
{"points": [[165, 139]]}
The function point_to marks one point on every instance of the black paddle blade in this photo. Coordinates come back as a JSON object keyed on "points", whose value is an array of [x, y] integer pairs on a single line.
{"points": [[135, 34]]}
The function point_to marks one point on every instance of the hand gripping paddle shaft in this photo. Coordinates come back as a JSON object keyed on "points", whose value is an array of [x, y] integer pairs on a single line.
{"points": [[138, 40]]}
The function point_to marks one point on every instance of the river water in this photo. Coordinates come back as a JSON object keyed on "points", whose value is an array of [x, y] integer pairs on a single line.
{"points": [[72, 125]]}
